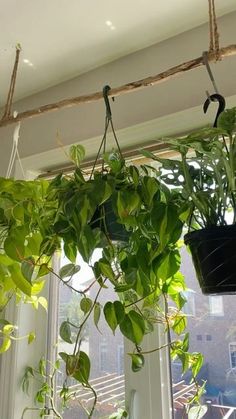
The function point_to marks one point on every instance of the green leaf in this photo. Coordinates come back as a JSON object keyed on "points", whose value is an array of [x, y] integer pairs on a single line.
{"points": [[33, 243], [70, 251], [106, 270], [42, 366], [5, 344], [134, 173], [83, 371], [137, 362], [150, 187], [27, 268], [133, 327], [77, 366], [14, 248], [227, 120], [180, 323], [65, 332], [175, 285], [120, 414], [18, 213], [37, 287], [185, 346], [128, 202], [114, 161], [68, 270], [114, 314], [87, 243], [169, 265], [31, 337], [96, 314], [43, 270], [19, 279], [77, 154], [197, 412], [197, 363], [86, 304]]}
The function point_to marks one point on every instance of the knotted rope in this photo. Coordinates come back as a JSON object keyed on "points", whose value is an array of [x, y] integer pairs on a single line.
{"points": [[214, 34]]}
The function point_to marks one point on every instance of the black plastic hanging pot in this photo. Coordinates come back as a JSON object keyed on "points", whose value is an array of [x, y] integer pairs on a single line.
{"points": [[105, 219], [214, 256]]}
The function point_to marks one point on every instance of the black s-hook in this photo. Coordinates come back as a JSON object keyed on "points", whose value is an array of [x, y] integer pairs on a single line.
{"points": [[216, 97], [107, 103]]}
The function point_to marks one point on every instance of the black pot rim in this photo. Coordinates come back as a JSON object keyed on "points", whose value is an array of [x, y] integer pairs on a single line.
{"points": [[211, 233]]}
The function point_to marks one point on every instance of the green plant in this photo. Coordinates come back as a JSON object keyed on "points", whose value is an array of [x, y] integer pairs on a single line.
{"points": [[205, 173], [46, 387], [40, 217]]}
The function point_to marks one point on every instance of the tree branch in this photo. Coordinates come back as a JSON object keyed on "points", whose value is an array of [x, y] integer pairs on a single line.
{"points": [[127, 88]]}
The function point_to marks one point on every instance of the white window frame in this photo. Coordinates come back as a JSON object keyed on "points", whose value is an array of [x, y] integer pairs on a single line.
{"points": [[212, 310]]}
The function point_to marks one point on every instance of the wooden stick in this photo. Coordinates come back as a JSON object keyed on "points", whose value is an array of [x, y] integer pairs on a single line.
{"points": [[127, 88]]}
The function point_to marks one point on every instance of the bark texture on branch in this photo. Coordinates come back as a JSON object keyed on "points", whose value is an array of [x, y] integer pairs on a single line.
{"points": [[127, 88]]}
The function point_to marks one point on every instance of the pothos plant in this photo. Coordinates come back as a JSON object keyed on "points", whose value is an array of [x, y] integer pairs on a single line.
{"points": [[40, 217]]}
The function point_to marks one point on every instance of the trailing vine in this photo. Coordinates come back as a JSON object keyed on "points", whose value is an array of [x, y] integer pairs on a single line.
{"points": [[39, 217]]}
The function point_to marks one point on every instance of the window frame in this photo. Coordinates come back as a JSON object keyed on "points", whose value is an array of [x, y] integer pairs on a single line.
{"points": [[212, 313]]}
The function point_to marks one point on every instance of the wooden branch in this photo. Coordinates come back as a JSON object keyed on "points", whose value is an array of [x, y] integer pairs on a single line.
{"points": [[127, 88]]}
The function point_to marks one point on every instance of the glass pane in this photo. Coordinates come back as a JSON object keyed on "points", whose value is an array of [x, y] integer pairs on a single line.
{"points": [[212, 327], [105, 350]]}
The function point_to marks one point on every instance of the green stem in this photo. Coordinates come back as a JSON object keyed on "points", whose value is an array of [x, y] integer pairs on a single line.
{"points": [[85, 320]]}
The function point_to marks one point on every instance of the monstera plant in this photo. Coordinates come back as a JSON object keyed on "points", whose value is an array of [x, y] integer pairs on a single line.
{"points": [[205, 176], [141, 262]]}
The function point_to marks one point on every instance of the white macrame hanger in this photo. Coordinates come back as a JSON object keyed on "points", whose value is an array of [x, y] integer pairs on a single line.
{"points": [[14, 150]]}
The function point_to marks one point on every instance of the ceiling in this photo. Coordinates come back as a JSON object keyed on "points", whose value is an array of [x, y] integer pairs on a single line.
{"points": [[61, 39]]}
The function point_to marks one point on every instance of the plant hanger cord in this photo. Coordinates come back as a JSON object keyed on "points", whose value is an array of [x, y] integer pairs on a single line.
{"points": [[15, 151], [8, 106], [214, 33], [215, 49], [108, 121]]}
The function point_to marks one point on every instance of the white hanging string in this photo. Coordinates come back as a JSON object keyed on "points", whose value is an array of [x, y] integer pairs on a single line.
{"points": [[14, 150]]}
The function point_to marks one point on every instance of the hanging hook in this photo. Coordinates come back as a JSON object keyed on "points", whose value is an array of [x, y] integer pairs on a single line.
{"points": [[107, 103], [215, 98]]}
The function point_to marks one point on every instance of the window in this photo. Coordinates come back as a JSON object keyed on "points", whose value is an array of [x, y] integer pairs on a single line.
{"points": [[120, 359], [105, 350], [208, 338], [103, 356], [216, 307], [232, 354], [189, 307], [211, 337]]}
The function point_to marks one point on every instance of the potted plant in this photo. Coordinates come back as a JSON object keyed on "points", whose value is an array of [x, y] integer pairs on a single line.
{"points": [[39, 217], [205, 177]]}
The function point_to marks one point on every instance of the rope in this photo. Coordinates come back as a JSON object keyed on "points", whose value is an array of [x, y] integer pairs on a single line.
{"points": [[8, 105], [14, 151], [214, 45], [108, 121]]}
